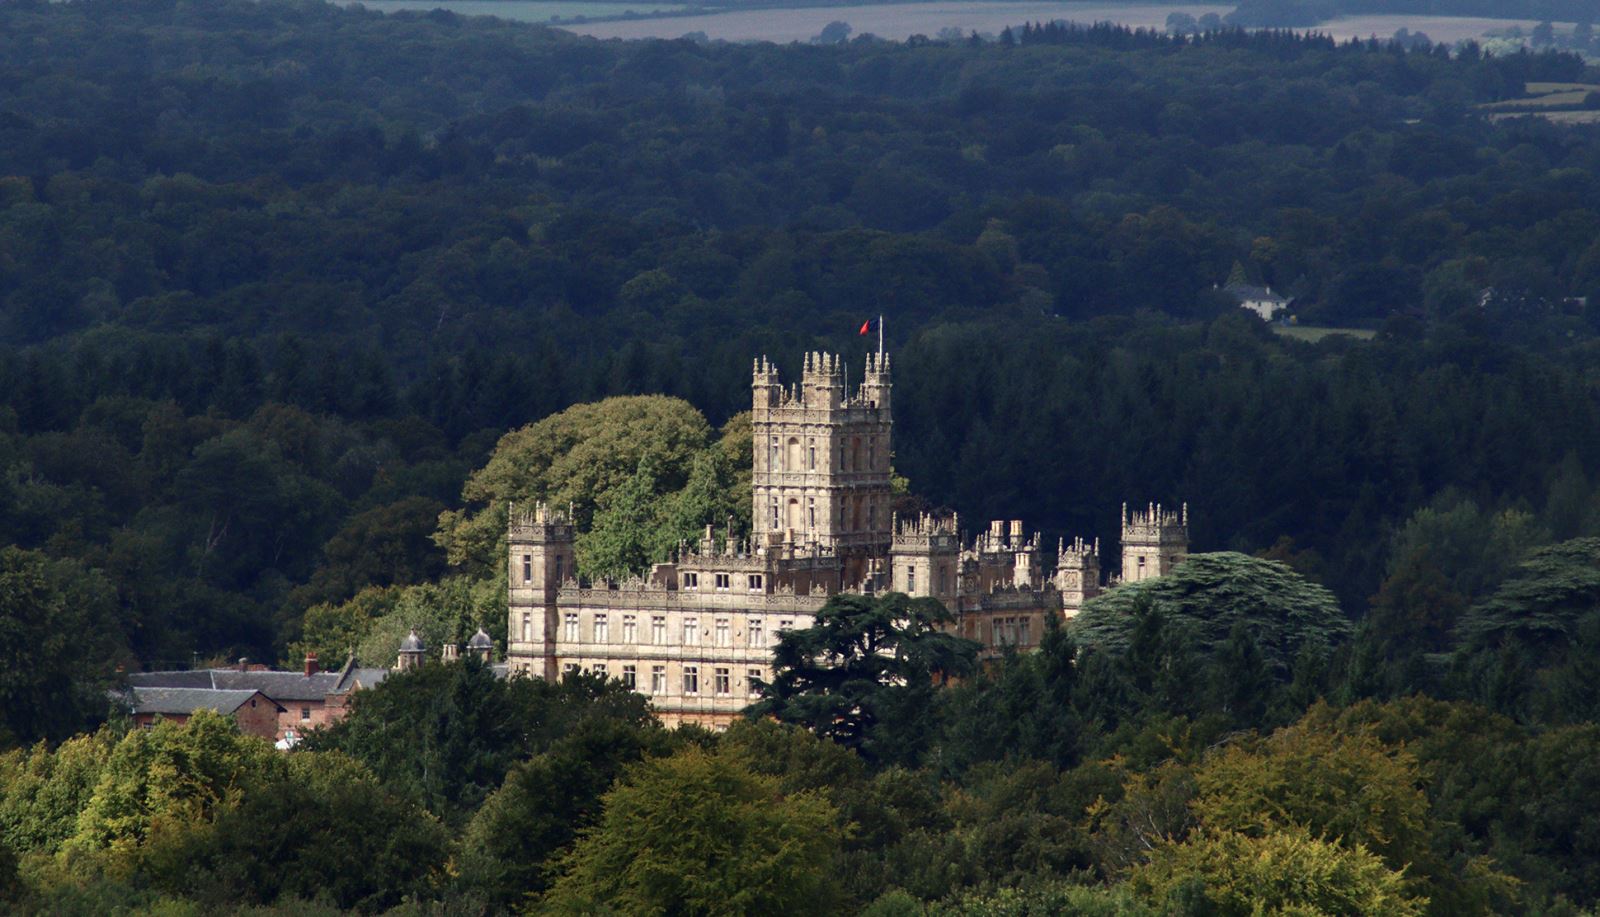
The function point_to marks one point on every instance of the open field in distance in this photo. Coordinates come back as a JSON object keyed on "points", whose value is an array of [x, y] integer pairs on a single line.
{"points": [[896, 21], [1313, 333], [524, 10]]}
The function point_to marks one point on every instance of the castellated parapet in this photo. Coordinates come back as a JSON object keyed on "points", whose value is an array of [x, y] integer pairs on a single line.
{"points": [[696, 634], [1154, 540]]}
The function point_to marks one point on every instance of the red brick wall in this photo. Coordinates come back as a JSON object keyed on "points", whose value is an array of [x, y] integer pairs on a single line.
{"points": [[321, 715], [258, 717]]}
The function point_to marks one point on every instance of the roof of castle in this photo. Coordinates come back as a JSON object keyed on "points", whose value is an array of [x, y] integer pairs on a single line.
{"points": [[480, 641], [411, 644]]}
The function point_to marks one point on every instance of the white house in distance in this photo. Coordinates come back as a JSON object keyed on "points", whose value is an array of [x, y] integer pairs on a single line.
{"points": [[1260, 300]]}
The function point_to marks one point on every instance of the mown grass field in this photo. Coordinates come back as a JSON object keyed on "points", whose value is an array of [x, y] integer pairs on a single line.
{"points": [[1315, 333], [1561, 103]]}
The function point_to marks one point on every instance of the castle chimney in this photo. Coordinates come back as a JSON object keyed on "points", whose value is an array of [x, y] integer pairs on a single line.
{"points": [[311, 664]]}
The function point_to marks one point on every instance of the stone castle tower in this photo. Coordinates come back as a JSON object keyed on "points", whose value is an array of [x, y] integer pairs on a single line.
{"points": [[821, 475], [1154, 540], [541, 545]]}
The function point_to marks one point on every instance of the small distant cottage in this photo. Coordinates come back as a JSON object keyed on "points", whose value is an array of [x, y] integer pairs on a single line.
{"points": [[256, 714], [300, 701], [1260, 300]]}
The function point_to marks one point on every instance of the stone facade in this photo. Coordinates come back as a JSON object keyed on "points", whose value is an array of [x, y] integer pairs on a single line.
{"points": [[696, 633]]}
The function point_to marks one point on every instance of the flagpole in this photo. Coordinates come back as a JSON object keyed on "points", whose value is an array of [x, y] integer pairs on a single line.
{"points": [[880, 342]]}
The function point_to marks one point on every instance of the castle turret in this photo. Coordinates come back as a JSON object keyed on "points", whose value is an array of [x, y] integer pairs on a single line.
{"points": [[821, 460], [1077, 575], [411, 653], [540, 542], [481, 646], [1154, 540], [925, 558]]}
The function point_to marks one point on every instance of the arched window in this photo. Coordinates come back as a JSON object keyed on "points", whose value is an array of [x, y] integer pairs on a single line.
{"points": [[855, 453]]}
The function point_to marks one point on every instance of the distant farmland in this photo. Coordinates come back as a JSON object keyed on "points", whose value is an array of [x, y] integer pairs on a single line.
{"points": [[896, 21]]}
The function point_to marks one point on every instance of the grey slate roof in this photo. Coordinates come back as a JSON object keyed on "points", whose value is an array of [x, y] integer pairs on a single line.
{"points": [[188, 700], [1245, 292], [480, 641], [365, 678], [280, 686]]}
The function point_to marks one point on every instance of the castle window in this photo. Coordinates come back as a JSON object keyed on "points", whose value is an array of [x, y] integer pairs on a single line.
{"points": [[811, 512], [752, 632], [755, 581], [723, 579], [872, 454], [752, 679], [691, 631], [527, 627], [785, 624], [722, 682], [630, 677], [793, 463], [999, 633], [630, 629], [811, 457], [561, 563], [911, 580], [571, 622], [772, 456], [724, 632], [872, 514], [658, 679], [527, 568], [774, 514], [570, 668], [691, 581], [602, 629], [691, 679], [855, 457], [944, 580], [1022, 632], [600, 669], [658, 629], [305, 714]]}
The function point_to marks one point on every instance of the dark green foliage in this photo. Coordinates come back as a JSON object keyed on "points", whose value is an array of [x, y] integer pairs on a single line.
{"points": [[1222, 608], [1224, 637], [327, 833], [863, 674], [543, 805], [1020, 706], [58, 638], [1539, 607], [446, 735]]}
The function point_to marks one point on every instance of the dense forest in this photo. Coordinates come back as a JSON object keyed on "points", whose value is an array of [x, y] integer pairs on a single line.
{"points": [[293, 297]]}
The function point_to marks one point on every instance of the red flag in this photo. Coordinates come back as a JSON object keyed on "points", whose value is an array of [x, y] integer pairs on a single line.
{"points": [[866, 327]]}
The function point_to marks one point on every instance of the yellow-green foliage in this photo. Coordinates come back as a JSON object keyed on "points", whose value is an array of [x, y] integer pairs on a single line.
{"points": [[158, 782], [699, 833], [1345, 787], [42, 792], [573, 457], [1281, 872]]}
